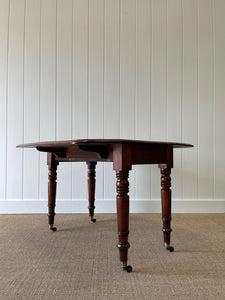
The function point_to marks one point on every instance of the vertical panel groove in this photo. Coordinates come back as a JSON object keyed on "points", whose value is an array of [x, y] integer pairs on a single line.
{"points": [[103, 95], [197, 98], [119, 67], [39, 103], [166, 40], [135, 90], [7, 92], [56, 67], [214, 102], [135, 70], [103, 85], [24, 36], [198, 9], [120, 16], [150, 67], [150, 95], [182, 90], [71, 92], [7, 97], [88, 59]]}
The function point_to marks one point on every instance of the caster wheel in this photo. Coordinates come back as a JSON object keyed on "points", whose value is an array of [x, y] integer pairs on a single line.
{"points": [[128, 269], [171, 249], [93, 220], [53, 228]]}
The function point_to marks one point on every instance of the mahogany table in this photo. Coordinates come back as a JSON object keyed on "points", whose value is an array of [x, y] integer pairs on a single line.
{"points": [[123, 154]]}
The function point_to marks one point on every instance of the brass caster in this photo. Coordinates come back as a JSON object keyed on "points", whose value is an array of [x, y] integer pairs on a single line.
{"points": [[169, 248], [52, 228], [93, 219], [126, 268]]}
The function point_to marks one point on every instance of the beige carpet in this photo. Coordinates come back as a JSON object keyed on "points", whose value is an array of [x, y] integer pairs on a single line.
{"points": [[80, 260]]}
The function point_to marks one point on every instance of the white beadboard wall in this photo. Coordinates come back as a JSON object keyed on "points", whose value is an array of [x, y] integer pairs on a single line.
{"points": [[135, 69]]}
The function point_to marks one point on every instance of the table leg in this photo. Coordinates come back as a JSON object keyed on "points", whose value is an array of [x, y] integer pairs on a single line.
{"points": [[91, 189], [166, 205], [122, 188], [52, 176]]}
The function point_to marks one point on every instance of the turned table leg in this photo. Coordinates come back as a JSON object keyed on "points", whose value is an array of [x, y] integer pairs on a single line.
{"points": [[166, 205], [91, 189], [122, 199], [52, 176]]}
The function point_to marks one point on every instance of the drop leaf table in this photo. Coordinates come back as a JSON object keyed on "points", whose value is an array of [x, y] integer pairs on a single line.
{"points": [[123, 154]]}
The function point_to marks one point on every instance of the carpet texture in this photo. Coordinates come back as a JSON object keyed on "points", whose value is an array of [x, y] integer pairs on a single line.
{"points": [[81, 261]]}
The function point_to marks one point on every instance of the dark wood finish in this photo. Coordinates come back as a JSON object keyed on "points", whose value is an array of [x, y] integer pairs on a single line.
{"points": [[91, 189], [122, 201], [166, 204], [123, 154], [52, 176]]}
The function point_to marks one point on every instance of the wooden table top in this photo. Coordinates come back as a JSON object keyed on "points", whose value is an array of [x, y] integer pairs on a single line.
{"points": [[71, 143]]}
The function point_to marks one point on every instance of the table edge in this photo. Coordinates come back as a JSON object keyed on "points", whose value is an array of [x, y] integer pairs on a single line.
{"points": [[72, 143]]}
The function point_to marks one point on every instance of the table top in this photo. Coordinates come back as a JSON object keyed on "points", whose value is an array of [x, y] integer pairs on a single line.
{"points": [[72, 143]]}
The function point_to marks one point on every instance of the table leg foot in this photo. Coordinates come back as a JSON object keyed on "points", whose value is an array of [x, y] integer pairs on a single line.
{"points": [[126, 267], [168, 247], [52, 228], [93, 219]]}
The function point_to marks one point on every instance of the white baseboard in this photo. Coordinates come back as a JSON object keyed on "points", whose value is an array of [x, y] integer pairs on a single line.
{"points": [[109, 206]]}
